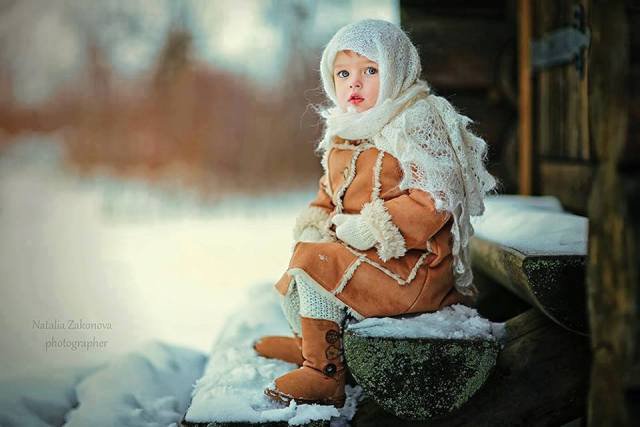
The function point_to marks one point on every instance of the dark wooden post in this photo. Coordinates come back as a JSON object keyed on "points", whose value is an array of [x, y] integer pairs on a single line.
{"points": [[613, 233], [525, 184]]}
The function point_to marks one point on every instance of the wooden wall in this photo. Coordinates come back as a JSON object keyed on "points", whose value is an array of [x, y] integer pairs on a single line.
{"points": [[613, 272], [468, 53], [564, 165], [586, 149], [632, 151], [468, 56]]}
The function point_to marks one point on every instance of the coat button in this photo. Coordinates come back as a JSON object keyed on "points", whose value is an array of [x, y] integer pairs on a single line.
{"points": [[332, 336], [345, 172], [329, 370]]}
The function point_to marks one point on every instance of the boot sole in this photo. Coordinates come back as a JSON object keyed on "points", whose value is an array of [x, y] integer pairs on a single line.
{"points": [[284, 398]]}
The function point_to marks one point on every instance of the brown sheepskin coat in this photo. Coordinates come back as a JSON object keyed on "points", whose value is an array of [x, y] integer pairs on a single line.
{"points": [[409, 270]]}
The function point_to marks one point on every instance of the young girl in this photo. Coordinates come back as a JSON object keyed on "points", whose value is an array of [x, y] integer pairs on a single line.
{"points": [[387, 233]]}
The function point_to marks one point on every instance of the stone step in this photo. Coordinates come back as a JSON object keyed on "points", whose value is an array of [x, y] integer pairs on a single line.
{"points": [[538, 252], [540, 378], [417, 378]]}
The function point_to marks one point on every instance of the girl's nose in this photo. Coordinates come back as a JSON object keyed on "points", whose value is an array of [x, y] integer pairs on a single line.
{"points": [[356, 84]]}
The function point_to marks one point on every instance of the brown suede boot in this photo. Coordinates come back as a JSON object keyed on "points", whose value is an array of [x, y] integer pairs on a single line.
{"points": [[288, 349], [321, 378]]}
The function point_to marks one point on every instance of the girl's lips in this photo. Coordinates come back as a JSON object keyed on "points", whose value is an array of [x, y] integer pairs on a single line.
{"points": [[355, 100]]}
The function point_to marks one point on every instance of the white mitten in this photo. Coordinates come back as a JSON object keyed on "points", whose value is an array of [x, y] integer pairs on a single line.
{"points": [[351, 229], [310, 234]]}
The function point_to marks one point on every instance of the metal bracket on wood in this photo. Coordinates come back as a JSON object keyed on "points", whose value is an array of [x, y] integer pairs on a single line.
{"points": [[563, 46]]}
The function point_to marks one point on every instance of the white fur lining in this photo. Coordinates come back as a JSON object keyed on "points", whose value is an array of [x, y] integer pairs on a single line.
{"points": [[312, 216], [394, 276], [348, 274], [390, 242]]}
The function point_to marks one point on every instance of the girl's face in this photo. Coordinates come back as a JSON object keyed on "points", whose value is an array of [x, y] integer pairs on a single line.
{"points": [[356, 80]]}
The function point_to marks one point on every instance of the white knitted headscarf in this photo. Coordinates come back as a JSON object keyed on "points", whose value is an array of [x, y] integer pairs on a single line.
{"points": [[430, 139]]}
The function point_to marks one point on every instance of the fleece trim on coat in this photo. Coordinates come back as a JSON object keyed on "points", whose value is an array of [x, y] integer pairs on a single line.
{"points": [[312, 216], [390, 242]]}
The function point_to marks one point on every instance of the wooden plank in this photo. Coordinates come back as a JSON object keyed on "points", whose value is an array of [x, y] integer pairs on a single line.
{"points": [[545, 15], [553, 284], [541, 378], [630, 156], [451, 58], [491, 120], [420, 9], [525, 184], [568, 181], [634, 32], [578, 143], [562, 92], [614, 227]]}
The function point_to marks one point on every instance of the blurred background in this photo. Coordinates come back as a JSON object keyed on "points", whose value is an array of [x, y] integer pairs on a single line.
{"points": [[153, 157], [213, 94]]}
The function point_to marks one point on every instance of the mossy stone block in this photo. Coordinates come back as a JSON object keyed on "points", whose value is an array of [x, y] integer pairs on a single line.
{"points": [[419, 378]]}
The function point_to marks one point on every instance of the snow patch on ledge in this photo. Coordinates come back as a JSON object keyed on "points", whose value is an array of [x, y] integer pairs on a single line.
{"points": [[532, 225], [457, 321], [232, 387]]}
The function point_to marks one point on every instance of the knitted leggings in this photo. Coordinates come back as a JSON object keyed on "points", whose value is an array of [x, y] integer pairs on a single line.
{"points": [[303, 299]]}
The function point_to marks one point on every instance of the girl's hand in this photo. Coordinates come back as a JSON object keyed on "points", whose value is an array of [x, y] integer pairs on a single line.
{"points": [[351, 229]]}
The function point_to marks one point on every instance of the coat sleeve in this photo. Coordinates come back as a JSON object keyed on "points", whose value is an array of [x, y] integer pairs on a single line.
{"points": [[315, 215], [407, 221]]}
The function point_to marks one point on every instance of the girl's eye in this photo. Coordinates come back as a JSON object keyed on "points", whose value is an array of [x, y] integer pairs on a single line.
{"points": [[371, 70], [342, 73]]}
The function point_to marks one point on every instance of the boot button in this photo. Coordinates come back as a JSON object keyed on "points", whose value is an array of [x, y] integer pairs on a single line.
{"points": [[332, 336], [332, 352], [329, 370]]}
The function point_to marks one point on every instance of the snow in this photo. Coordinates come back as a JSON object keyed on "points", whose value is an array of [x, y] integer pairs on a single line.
{"points": [[41, 398], [232, 387], [532, 225], [307, 413], [153, 264], [149, 387], [453, 322]]}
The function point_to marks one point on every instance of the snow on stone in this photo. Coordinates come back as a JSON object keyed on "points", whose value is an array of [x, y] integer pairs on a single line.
{"points": [[232, 387], [532, 225], [457, 321], [148, 387], [307, 413]]}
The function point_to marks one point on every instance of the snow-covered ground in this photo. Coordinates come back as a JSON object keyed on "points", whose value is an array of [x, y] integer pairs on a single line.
{"points": [[136, 262], [101, 270], [148, 387], [232, 387]]}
